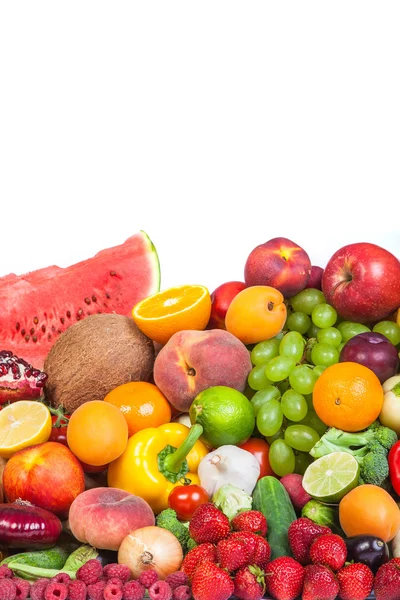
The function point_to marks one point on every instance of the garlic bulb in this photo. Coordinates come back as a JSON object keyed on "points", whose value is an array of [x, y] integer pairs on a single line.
{"points": [[229, 464]]}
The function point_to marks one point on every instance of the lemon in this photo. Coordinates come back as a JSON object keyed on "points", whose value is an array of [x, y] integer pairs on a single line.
{"points": [[23, 424], [226, 415]]}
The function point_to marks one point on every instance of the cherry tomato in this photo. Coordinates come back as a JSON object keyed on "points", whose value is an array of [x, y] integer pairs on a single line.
{"points": [[59, 433], [184, 499], [260, 449]]}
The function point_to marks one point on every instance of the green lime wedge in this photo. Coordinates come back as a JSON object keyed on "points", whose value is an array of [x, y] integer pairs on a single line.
{"points": [[331, 477]]}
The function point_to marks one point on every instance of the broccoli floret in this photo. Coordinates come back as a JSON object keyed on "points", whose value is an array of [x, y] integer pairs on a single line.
{"points": [[191, 544], [369, 447], [167, 519]]}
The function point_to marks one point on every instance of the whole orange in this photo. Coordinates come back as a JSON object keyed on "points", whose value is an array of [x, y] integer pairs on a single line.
{"points": [[255, 314], [369, 509], [348, 396], [97, 432], [142, 404]]}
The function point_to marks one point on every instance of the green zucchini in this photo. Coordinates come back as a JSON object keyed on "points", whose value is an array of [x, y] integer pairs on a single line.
{"points": [[53, 558], [271, 498]]}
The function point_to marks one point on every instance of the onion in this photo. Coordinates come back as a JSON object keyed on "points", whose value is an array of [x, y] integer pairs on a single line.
{"points": [[23, 525], [151, 547]]}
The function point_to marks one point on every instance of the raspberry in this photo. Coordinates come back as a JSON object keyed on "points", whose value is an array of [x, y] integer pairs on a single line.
{"points": [[176, 579], [147, 578], [133, 590], [112, 570], [90, 572], [38, 588], [23, 588], [112, 591], [8, 589], [5, 571], [182, 592], [56, 591], [61, 578], [116, 581], [160, 590], [77, 590], [95, 590]]}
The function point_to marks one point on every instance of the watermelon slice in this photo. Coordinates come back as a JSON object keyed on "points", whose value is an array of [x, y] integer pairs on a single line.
{"points": [[37, 307]]}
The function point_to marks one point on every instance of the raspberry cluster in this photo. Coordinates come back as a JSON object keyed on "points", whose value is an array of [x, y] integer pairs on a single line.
{"points": [[94, 582]]}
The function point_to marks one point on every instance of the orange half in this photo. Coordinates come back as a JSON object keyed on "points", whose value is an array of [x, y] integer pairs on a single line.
{"points": [[184, 307]]}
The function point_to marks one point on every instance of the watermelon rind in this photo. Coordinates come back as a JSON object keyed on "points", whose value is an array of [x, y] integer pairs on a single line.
{"points": [[155, 263]]}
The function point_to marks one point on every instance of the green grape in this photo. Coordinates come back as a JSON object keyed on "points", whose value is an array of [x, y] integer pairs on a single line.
{"points": [[323, 354], [306, 300], [390, 329], [283, 386], [257, 378], [294, 405], [312, 331], [302, 379], [270, 418], [302, 461], [340, 347], [292, 345], [279, 435], [265, 395], [324, 315], [318, 369], [301, 437], [309, 346], [264, 351], [312, 420], [329, 335], [309, 400], [299, 322], [279, 368], [349, 330], [281, 458]]}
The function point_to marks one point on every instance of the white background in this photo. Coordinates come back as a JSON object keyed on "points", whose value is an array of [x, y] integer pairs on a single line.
{"points": [[213, 126]]}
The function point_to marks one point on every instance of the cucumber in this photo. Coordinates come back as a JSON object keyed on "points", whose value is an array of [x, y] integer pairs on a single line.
{"points": [[271, 498], [53, 558]]}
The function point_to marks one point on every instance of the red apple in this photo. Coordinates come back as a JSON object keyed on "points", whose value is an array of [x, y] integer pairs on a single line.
{"points": [[221, 298], [315, 280], [47, 475], [362, 282], [279, 263]]}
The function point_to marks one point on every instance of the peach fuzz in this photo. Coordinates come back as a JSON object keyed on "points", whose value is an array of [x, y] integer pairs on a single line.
{"points": [[193, 361], [103, 517], [256, 314]]}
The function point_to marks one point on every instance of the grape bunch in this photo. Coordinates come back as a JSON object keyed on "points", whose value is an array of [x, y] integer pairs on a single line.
{"points": [[285, 369]]}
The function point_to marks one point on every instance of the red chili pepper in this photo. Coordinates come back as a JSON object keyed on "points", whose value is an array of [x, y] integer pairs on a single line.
{"points": [[394, 466]]}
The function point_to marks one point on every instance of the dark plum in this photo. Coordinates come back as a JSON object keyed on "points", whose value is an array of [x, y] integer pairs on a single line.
{"points": [[367, 549], [373, 350]]}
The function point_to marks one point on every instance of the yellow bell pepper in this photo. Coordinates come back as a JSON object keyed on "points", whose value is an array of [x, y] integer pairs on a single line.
{"points": [[156, 460]]}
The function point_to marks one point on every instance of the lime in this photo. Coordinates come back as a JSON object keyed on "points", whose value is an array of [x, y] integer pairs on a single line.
{"points": [[331, 477], [225, 414]]}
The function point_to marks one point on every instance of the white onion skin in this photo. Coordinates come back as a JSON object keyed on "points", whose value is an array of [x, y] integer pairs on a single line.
{"points": [[151, 547]]}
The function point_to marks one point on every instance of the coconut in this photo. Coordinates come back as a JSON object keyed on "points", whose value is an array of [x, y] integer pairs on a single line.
{"points": [[94, 356]]}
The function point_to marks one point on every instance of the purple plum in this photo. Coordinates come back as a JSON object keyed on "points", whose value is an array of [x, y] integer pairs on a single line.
{"points": [[373, 350]]}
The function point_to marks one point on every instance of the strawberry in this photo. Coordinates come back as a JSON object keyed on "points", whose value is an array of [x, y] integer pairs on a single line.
{"points": [[301, 534], [355, 582], [330, 550], [251, 520], [284, 578], [210, 582], [260, 550], [387, 581], [233, 553], [249, 583], [320, 583], [208, 524], [197, 555]]}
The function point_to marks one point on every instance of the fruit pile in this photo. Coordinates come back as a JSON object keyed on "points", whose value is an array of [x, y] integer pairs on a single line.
{"points": [[178, 444]]}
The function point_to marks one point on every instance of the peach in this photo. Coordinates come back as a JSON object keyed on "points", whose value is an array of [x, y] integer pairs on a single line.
{"points": [[192, 361], [103, 516], [279, 263]]}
